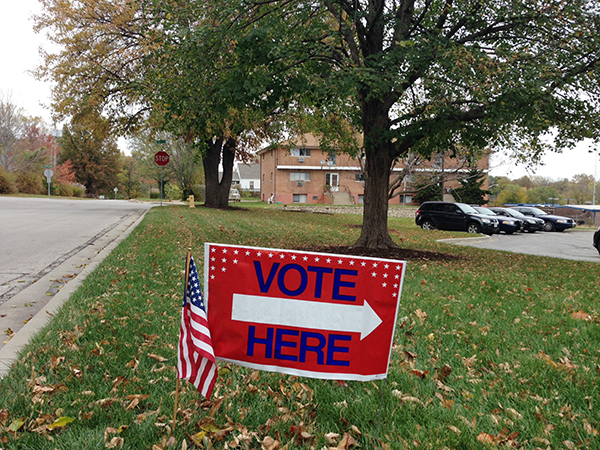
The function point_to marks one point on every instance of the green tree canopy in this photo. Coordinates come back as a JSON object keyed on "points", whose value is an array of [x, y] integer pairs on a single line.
{"points": [[423, 76]]}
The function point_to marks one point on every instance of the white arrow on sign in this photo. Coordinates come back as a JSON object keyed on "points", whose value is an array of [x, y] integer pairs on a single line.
{"points": [[305, 314]]}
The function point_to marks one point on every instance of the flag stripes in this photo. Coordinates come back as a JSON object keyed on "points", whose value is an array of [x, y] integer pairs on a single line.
{"points": [[195, 356]]}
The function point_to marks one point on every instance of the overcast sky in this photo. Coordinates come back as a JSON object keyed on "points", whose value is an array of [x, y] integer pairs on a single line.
{"points": [[19, 54]]}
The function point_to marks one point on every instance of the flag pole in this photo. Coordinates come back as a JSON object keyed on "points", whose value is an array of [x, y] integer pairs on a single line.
{"points": [[185, 287]]}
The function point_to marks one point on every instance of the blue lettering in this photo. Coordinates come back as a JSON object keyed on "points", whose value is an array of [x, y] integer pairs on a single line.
{"points": [[319, 281], [264, 287], [303, 280], [331, 349], [318, 348], [267, 342], [280, 343], [339, 283]]}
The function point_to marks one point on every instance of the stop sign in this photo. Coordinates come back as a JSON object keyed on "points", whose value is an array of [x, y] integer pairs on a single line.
{"points": [[161, 158]]}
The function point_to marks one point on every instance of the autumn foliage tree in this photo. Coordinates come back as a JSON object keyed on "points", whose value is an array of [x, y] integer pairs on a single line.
{"points": [[92, 150]]}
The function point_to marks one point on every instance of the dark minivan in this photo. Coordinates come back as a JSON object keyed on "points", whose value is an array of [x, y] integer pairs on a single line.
{"points": [[455, 217]]}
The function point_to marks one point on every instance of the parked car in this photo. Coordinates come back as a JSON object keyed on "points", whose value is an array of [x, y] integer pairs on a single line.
{"points": [[551, 222], [530, 224], [456, 217], [234, 195], [507, 224], [597, 240]]}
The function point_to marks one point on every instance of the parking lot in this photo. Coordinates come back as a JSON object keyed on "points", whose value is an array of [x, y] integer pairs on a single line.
{"points": [[573, 244]]}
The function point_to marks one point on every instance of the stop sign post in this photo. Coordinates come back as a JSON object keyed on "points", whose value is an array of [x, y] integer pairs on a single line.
{"points": [[162, 159], [48, 173]]}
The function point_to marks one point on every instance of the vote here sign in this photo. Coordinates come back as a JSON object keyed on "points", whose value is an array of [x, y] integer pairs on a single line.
{"points": [[310, 314]]}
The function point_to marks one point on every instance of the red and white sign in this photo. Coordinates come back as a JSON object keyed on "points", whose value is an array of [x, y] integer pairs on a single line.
{"points": [[161, 158], [311, 314]]}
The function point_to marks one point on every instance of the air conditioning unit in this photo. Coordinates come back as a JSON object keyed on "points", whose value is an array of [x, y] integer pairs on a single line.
{"points": [[300, 159], [300, 183]]}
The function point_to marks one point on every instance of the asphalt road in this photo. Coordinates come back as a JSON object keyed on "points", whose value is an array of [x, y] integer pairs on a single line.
{"points": [[572, 244], [37, 234]]}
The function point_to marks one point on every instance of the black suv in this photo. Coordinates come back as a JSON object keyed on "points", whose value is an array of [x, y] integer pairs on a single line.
{"points": [[456, 217]]}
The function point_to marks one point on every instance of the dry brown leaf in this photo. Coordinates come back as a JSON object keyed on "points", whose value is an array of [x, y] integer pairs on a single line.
{"points": [[115, 442], [346, 442], [133, 404], [137, 396], [454, 429], [419, 373], [486, 438], [444, 372], [514, 414], [580, 315], [269, 443], [332, 438], [449, 404]]}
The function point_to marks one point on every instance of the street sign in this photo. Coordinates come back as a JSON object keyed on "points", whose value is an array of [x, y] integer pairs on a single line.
{"points": [[48, 173], [302, 313], [161, 158]]}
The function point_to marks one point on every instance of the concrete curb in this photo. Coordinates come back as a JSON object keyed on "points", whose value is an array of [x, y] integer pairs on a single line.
{"points": [[9, 353], [465, 240]]}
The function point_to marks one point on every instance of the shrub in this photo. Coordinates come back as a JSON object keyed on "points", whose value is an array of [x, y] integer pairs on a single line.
{"points": [[77, 191], [29, 183], [63, 189], [7, 183], [173, 192]]}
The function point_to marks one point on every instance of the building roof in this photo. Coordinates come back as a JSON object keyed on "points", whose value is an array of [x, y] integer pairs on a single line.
{"points": [[249, 171]]}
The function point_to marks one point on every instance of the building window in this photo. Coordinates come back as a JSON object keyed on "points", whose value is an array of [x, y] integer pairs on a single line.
{"points": [[251, 185], [271, 177], [332, 160], [299, 198], [360, 176], [299, 176], [300, 152], [405, 198], [361, 199]]}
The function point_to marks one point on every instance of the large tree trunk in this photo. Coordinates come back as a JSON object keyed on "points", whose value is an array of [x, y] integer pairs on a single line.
{"points": [[378, 166], [217, 192]]}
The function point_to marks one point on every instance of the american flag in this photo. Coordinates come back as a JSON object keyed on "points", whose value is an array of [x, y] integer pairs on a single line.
{"points": [[195, 356]]}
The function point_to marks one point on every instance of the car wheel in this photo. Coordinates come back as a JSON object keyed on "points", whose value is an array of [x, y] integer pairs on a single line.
{"points": [[509, 232], [548, 226], [427, 225], [473, 228]]}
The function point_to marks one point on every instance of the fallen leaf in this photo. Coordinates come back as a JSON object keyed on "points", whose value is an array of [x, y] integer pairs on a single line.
{"points": [[115, 442], [346, 442], [332, 438], [485, 438], [454, 429], [580, 315], [60, 422], [16, 424], [269, 443], [157, 357], [444, 372]]}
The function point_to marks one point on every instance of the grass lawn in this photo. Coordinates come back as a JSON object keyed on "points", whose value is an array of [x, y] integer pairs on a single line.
{"points": [[491, 350]]}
